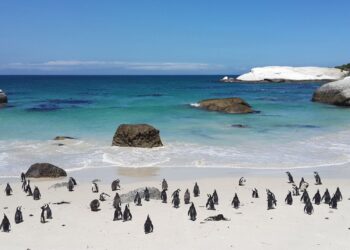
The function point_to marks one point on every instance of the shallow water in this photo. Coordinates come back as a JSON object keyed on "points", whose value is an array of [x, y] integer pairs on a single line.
{"points": [[289, 132]]}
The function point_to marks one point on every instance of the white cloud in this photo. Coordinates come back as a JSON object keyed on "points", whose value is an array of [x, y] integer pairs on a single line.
{"points": [[145, 66]]}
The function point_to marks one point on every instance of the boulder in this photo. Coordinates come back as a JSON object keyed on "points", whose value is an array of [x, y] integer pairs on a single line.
{"points": [[232, 105], [3, 97], [38, 170], [336, 93], [137, 135], [154, 193], [61, 138]]}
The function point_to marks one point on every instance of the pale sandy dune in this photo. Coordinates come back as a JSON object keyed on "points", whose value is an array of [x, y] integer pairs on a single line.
{"points": [[292, 73], [250, 227]]}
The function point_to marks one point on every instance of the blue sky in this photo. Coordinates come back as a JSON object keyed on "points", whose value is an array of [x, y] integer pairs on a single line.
{"points": [[170, 37]]}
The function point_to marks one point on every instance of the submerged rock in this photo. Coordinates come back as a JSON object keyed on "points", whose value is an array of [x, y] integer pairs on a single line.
{"points": [[336, 93], [154, 193], [3, 97], [137, 135], [60, 138], [226, 105], [39, 170]]}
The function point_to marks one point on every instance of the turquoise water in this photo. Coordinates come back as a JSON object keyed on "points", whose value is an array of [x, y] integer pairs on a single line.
{"points": [[290, 131]]}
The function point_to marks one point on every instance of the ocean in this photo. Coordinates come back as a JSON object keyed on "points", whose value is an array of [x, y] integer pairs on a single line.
{"points": [[290, 131]]}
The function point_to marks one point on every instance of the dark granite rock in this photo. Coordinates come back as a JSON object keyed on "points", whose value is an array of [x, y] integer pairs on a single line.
{"points": [[39, 170], [137, 135]]}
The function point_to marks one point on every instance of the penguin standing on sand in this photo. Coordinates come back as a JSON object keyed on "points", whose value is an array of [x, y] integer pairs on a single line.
{"points": [[235, 202], [148, 227], [187, 197], [192, 212], [289, 198], [94, 187], [8, 190], [5, 224], [18, 215], [196, 190], [164, 196]]}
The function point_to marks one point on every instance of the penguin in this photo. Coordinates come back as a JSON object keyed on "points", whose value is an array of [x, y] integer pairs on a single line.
{"points": [[317, 198], [215, 197], [42, 215], [235, 202], [103, 196], [73, 180], [290, 177], [301, 182], [137, 199], [23, 177], [338, 195], [117, 213], [164, 196], [24, 185], [176, 198], [192, 212], [8, 190], [146, 194], [29, 190], [117, 201], [94, 205], [18, 215], [70, 185], [94, 187], [305, 197], [289, 198], [295, 190], [326, 197], [48, 212], [255, 193], [271, 200], [36, 193], [333, 203], [196, 190], [148, 227], [210, 203], [115, 185], [308, 208], [5, 224], [241, 181], [187, 197], [127, 214], [164, 185], [317, 179]]}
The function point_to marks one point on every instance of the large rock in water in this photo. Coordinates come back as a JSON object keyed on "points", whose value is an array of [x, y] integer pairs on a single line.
{"points": [[336, 93], [38, 170], [137, 135], [3, 97], [232, 105]]}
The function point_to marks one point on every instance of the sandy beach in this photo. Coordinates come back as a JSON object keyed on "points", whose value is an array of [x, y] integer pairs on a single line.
{"points": [[252, 226]]}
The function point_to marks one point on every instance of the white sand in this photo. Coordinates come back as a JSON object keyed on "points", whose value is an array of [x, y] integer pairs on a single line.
{"points": [[293, 73], [250, 227]]}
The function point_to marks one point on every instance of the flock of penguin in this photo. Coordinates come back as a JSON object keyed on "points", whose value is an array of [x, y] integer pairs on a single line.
{"points": [[212, 200]]}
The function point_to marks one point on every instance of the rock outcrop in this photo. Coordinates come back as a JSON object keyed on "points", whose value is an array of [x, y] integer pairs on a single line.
{"points": [[336, 93], [3, 97], [154, 193], [137, 135], [282, 74], [232, 105], [61, 138], [39, 170]]}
